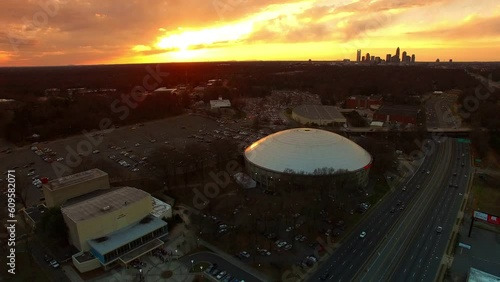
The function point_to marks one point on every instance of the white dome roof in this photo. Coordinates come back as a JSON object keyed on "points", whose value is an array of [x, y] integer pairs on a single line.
{"points": [[305, 150]]}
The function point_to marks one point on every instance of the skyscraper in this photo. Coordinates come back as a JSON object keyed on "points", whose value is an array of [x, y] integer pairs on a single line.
{"points": [[367, 57], [413, 58], [397, 55], [358, 55], [403, 59], [388, 58]]}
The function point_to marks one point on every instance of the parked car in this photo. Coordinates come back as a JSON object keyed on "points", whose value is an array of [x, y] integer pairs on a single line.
{"points": [[244, 254], [54, 264], [221, 274]]}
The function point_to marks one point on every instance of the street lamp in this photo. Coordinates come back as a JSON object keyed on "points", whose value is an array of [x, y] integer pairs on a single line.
{"points": [[192, 265]]}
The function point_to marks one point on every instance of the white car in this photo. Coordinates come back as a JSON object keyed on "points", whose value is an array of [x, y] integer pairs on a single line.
{"points": [[54, 264], [96, 152], [362, 235], [137, 144]]}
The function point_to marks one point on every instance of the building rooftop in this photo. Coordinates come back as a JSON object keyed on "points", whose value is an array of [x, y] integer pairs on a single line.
{"points": [[105, 203], [308, 151], [393, 109], [364, 97], [83, 257], [165, 89], [126, 235], [220, 103], [159, 207], [74, 179], [476, 275], [320, 112]]}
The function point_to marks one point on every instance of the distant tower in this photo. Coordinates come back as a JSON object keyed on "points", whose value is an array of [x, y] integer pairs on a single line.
{"points": [[367, 57], [388, 58], [404, 56], [437, 60], [397, 53], [363, 58], [372, 58], [413, 58], [451, 61], [358, 55]]}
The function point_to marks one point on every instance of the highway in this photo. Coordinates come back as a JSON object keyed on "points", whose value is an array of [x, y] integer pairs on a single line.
{"points": [[414, 248], [351, 255]]}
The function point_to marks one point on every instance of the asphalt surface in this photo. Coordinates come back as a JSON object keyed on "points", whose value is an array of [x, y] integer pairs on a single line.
{"points": [[414, 249], [348, 259], [223, 264], [438, 112]]}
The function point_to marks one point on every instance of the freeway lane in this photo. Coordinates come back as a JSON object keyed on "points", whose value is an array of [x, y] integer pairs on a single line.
{"points": [[412, 255], [345, 262], [421, 261], [388, 253]]}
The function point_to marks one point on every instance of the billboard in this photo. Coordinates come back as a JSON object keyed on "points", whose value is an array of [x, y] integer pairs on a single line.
{"points": [[487, 217]]}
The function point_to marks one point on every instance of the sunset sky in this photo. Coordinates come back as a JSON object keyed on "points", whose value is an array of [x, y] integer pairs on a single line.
{"points": [[75, 32]]}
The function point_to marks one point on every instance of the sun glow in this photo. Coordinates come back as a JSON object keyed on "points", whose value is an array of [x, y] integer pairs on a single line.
{"points": [[188, 39]]}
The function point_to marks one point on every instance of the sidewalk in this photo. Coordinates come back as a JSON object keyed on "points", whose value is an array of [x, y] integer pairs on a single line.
{"points": [[71, 274]]}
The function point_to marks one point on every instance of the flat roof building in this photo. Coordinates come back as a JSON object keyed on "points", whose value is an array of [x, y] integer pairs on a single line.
{"points": [[115, 227], [318, 114], [397, 113], [476, 275], [58, 191], [220, 103]]}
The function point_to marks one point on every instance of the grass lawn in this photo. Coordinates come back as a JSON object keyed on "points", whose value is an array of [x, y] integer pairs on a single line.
{"points": [[380, 189], [486, 195]]}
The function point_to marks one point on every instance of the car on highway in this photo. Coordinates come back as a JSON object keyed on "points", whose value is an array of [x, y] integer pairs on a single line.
{"points": [[362, 235], [404, 188], [439, 229], [95, 152]]}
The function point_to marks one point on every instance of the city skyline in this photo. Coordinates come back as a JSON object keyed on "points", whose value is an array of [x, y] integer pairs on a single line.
{"points": [[96, 32]]}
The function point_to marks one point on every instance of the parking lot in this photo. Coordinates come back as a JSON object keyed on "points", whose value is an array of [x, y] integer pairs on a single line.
{"points": [[255, 229], [484, 252], [124, 150]]}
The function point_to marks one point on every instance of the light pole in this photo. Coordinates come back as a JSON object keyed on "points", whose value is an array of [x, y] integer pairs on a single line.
{"points": [[192, 265]]}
